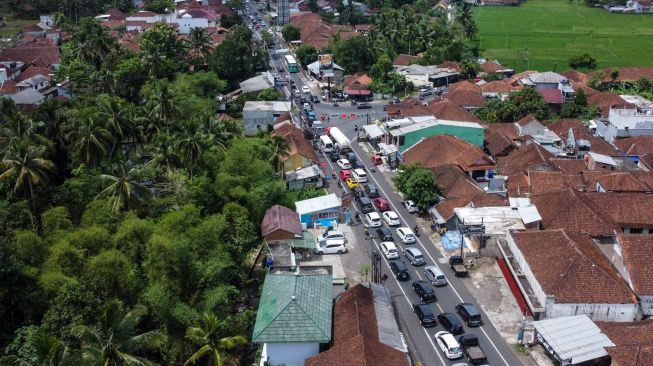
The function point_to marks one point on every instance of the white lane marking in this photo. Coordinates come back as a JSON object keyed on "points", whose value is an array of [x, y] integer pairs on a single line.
{"points": [[429, 254]]}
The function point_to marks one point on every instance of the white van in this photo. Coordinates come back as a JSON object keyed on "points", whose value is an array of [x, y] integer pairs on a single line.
{"points": [[331, 246], [435, 276], [326, 144], [359, 175]]}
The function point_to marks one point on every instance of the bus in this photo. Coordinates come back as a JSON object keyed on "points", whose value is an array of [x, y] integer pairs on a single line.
{"points": [[291, 64]]}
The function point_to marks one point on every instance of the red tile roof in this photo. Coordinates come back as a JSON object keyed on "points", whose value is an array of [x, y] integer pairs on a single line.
{"points": [[627, 73], [452, 65], [637, 254], [115, 14], [491, 66], [497, 86], [9, 87], [622, 182], [633, 340], [453, 182], [447, 109], [34, 70], [552, 96], [446, 207], [577, 76], [497, 144], [356, 335], [297, 144], [405, 60], [30, 54], [465, 98], [508, 129], [464, 85], [572, 272], [638, 145], [625, 209], [281, 221], [439, 150], [580, 86], [518, 162], [568, 166], [409, 107], [607, 100]]}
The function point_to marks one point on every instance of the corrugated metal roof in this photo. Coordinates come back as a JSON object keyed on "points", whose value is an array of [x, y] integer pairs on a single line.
{"points": [[573, 338], [317, 204]]}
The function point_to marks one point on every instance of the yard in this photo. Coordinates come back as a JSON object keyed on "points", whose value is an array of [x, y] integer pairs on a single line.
{"points": [[544, 34]]}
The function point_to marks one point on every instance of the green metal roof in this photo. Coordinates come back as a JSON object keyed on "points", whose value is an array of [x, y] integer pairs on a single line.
{"points": [[294, 308], [306, 241]]}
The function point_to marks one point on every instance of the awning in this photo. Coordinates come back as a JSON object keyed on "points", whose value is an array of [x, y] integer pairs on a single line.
{"points": [[357, 92], [373, 131], [306, 241]]}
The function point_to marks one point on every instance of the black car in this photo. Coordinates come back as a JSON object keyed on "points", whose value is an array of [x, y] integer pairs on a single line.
{"points": [[450, 323], [364, 106], [384, 234], [372, 191], [309, 134], [469, 314], [425, 314], [400, 270], [358, 192], [334, 156], [425, 291]]}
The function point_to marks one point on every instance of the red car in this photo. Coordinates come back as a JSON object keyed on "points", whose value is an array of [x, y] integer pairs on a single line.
{"points": [[377, 160], [381, 204], [344, 174]]}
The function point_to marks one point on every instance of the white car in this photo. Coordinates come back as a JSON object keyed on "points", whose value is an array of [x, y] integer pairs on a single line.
{"points": [[449, 345], [332, 234], [411, 206], [305, 89], [331, 246], [391, 218], [343, 164], [373, 219], [389, 250], [406, 235]]}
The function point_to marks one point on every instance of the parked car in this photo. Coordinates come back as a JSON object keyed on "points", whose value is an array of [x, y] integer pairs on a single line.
{"points": [[411, 206], [391, 218], [351, 183], [470, 314], [372, 191], [364, 106], [450, 323], [425, 91], [406, 235], [377, 159], [400, 270], [333, 155], [424, 290], [305, 89], [384, 234], [414, 256], [373, 219], [343, 164], [381, 204], [332, 234], [435, 275], [344, 174], [425, 314], [448, 345], [389, 250], [457, 265], [331, 246]]}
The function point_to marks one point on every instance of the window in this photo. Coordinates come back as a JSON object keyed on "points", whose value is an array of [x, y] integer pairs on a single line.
{"points": [[328, 215], [636, 231]]}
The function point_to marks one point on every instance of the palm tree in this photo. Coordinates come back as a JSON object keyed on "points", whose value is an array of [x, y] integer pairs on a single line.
{"points": [[27, 164], [114, 339], [46, 350], [279, 149], [118, 120], [213, 346], [465, 18], [124, 188], [162, 106], [190, 142], [154, 62], [200, 42], [90, 138]]}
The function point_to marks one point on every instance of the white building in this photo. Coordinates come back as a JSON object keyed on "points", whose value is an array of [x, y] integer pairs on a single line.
{"points": [[625, 123], [260, 115]]}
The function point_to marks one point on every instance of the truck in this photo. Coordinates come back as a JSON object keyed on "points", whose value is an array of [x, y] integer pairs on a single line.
{"points": [[341, 141], [458, 265], [472, 349]]}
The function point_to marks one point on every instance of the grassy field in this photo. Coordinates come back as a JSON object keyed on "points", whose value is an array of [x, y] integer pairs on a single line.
{"points": [[552, 31]]}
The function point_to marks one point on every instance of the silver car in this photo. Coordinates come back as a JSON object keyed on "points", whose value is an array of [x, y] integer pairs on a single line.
{"points": [[414, 256], [435, 275]]}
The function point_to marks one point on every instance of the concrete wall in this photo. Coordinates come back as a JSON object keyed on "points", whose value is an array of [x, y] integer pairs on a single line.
{"points": [[531, 128], [258, 119], [526, 270], [288, 354], [597, 312]]}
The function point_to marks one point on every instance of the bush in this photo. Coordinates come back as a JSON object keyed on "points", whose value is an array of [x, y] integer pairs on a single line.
{"points": [[56, 218], [584, 61]]}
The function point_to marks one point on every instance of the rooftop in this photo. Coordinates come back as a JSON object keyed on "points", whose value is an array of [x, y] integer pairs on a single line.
{"points": [[497, 220], [634, 342], [267, 106], [637, 254], [279, 218], [439, 150], [317, 204]]}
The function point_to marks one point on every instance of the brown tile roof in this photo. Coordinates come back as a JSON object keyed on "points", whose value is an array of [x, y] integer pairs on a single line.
{"points": [[580, 86], [508, 129], [599, 145], [9, 87], [564, 268], [546, 181], [637, 333], [607, 100], [497, 86], [637, 254], [452, 65], [518, 162], [33, 28], [628, 73], [568, 209], [405, 60], [465, 98], [447, 109], [29, 54], [515, 79], [358, 78], [285, 116], [408, 107], [454, 182], [439, 150], [297, 144], [356, 335], [279, 218], [631, 355], [33, 71], [464, 85], [622, 182], [115, 14], [498, 144], [491, 66], [568, 166], [638, 145], [577, 76], [625, 209]]}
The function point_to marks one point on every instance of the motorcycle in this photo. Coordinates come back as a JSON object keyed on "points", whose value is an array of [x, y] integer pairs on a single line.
{"points": [[416, 231], [336, 104]]}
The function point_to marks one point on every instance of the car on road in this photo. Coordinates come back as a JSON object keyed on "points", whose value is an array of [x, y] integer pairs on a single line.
{"points": [[399, 270], [470, 314], [359, 175], [424, 290], [331, 246], [448, 345], [315, 99], [450, 323], [305, 89], [366, 205], [381, 204], [333, 156], [425, 314], [373, 219], [364, 106], [344, 174], [391, 218], [377, 159], [389, 250], [384, 234], [435, 275], [425, 91], [343, 164], [411, 206], [414, 256], [308, 106], [406, 235], [371, 190], [332, 234], [351, 183]]}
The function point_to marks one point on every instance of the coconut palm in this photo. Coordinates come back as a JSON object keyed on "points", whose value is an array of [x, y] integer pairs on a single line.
{"points": [[27, 164], [154, 62], [279, 149], [162, 106], [90, 139], [213, 347], [114, 339], [200, 42], [124, 189], [46, 350], [117, 119], [190, 142], [466, 20]]}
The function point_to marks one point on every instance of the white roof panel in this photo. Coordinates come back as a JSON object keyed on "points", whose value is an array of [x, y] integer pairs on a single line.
{"points": [[317, 204]]}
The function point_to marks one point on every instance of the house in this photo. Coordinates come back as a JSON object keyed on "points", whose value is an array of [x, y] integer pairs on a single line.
{"points": [[465, 85], [636, 147], [530, 126], [443, 212], [406, 132], [280, 224], [27, 97], [499, 89], [335, 72], [293, 317], [409, 107], [582, 136], [260, 115], [320, 211], [633, 342], [543, 80], [405, 60], [44, 56], [144, 16], [628, 211], [497, 222], [606, 101], [428, 76], [257, 83], [188, 19], [498, 144], [569, 276], [467, 99], [493, 67], [311, 176], [622, 123], [434, 151], [553, 98], [365, 331], [448, 110], [300, 152], [357, 85], [451, 65]]}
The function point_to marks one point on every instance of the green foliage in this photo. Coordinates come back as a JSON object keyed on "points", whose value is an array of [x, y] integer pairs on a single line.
{"points": [[99, 212], [232, 60], [54, 219], [417, 184], [159, 6], [290, 33], [229, 21], [130, 74], [267, 95], [111, 272], [29, 248], [583, 61], [306, 54], [519, 105]]}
